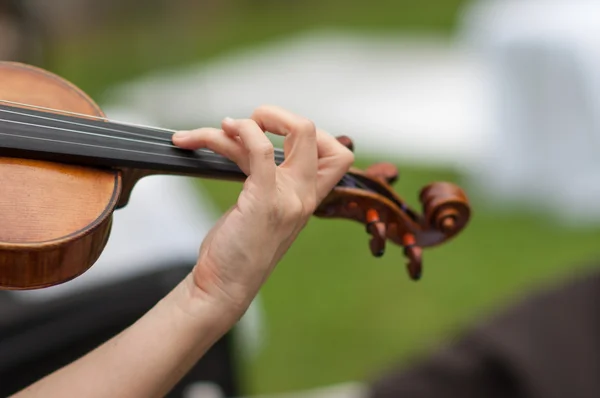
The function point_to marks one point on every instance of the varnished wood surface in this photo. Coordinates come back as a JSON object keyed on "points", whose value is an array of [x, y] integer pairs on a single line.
{"points": [[53, 203], [37, 87], [54, 218]]}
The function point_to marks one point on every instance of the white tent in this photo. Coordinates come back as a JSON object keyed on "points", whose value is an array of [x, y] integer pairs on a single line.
{"points": [[543, 59]]}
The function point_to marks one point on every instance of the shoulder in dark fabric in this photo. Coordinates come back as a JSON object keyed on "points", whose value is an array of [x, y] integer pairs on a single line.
{"points": [[546, 346]]}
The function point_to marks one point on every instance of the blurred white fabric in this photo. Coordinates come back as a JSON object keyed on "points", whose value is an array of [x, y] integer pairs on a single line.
{"points": [[544, 58], [342, 390], [400, 97]]}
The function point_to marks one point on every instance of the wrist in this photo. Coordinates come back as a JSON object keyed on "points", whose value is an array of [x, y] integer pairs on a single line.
{"points": [[232, 290], [197, 304]]}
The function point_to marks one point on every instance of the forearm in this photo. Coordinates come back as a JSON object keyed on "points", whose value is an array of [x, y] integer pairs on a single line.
{"points": [[148, 358]]}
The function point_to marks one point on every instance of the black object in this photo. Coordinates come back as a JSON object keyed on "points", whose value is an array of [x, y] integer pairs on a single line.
{"points": [[38, 338], [545, 346]]}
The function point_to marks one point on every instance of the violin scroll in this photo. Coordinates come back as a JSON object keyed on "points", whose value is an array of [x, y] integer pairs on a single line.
{"points": [[445, 207], [367, 197]]}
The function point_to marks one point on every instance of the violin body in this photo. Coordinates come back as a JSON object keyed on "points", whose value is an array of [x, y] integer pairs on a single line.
{"points": [[55, 218], [62, 177]]}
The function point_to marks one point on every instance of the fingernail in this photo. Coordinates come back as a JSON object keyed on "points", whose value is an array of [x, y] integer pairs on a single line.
{"points": [[228, 120], [181, 134]]}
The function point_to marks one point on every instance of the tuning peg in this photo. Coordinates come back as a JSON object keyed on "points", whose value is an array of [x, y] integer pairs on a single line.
{"points": [[376, 228], [385, 171], [346, 141], [414, 255]]}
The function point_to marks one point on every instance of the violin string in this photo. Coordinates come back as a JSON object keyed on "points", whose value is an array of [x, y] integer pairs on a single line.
{"points": [[219, 160], [279, 156], [157, 129], [108, 147], [350, 181], [347, 180], [278, 152], [88, 133], [80, 124]]}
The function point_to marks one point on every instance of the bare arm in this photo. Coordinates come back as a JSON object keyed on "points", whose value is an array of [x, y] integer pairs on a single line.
{"points": [[148, 358], [236, 258]]}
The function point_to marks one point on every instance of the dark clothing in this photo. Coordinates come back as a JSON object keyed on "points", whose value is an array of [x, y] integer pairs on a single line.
{"points": [[38, 338], [548, 346]]}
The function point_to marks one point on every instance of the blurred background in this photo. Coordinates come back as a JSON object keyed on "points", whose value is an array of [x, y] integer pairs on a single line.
{"points": [[501, 97]]}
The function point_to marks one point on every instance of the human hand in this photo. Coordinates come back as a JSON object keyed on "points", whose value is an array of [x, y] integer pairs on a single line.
{"points": [[241, 250]]}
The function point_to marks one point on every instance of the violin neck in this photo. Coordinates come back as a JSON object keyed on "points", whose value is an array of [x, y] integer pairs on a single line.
{"points": [[66, 139], [136, 151]]}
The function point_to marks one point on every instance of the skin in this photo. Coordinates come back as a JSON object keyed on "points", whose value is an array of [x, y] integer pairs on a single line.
{"points": [[235, 259]]}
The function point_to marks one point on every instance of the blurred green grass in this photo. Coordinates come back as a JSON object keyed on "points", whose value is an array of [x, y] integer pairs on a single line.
{"points": [[333, 312]]}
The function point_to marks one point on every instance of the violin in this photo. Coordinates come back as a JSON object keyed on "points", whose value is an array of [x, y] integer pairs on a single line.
{"points": [[65, 168]]}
